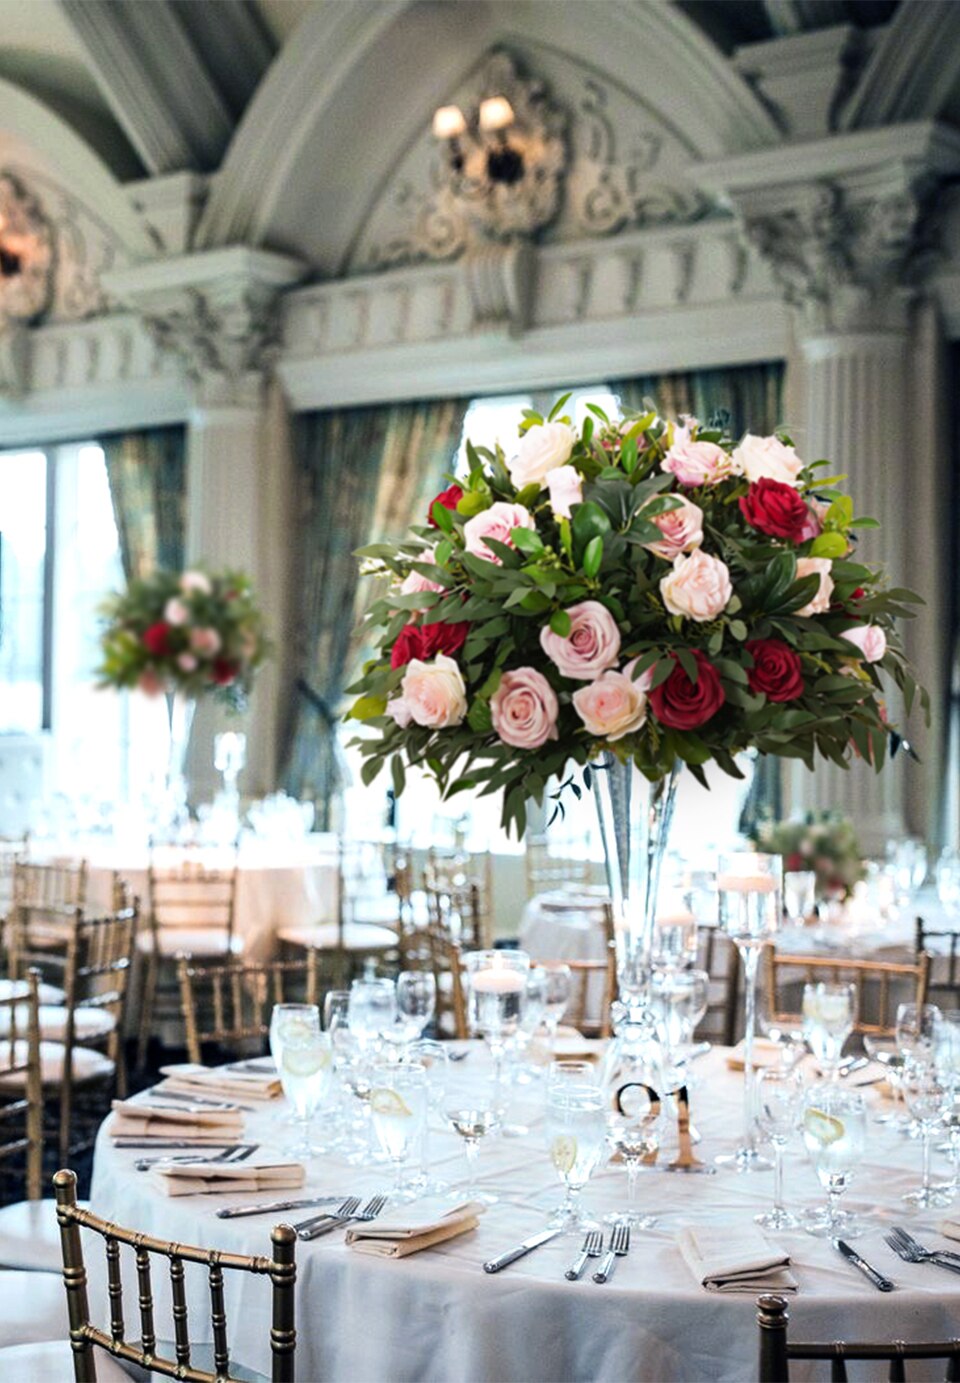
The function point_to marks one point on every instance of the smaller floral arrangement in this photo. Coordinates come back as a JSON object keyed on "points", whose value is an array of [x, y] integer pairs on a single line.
{"points": [[186, 632], [825, 843]]}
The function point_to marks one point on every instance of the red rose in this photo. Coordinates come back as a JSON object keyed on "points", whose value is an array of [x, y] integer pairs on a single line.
{"points": [[449, 498], [443, 638], [794, 862], [156, 639], [683, 704], [409, 645], [776, 671], [224, 671], [775, 509]]}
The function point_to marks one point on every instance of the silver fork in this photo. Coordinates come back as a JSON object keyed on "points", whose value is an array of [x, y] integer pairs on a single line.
{"points": [[369, 1212], [307, 1229], [619, 1248], [592, 1248], [372, 1208], [907, 1248], [238, 1152]]}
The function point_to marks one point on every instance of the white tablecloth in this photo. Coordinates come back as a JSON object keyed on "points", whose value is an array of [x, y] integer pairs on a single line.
{"points": [[437, 1318]]}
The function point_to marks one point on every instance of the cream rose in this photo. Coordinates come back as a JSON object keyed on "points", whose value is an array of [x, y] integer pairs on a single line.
{"points": [[399, 711], [195, 581], [697, 463], [541, 450], [819, 566], [870, 639], [565, 485], [592, 646], [759, 457], [498, 522], [175, 612], [525, 709], [698, 587], [434, 693], [614, 705], [682, 530]]}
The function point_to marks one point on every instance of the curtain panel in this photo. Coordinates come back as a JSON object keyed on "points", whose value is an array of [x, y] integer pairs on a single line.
{"points": [[147, 475], [742, 398], [364, 475]]}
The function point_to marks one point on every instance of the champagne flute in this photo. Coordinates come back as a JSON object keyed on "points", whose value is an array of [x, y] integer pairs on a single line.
{"points": [[575, 1136], [778, 1092], [559, 990], [305, 1062], [398, 1106], [828, 1018], [925, 1096], [916, 1030], [749, 889], [834, 1133], [432, 1056], [416, 1000]]}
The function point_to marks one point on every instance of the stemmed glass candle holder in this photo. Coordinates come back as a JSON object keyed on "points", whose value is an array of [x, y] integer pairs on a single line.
{"points": [[749, 887], [496, 982]]}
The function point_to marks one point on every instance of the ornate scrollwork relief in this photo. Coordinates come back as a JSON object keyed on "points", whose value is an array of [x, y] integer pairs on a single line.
{"points": [[27, 254]]}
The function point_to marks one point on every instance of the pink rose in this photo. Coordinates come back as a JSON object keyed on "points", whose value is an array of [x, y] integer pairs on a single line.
{"points": [[592, 645], [498, 522], [614, 705], [682, 530], [870, 639], [434, 693], [819, 566], [414, 583], [525, 709], [398, 710], [565, 485], [697, 463], [205, 642], [150, 682], [814, 523], [186, 662], [175, 612], [698, 587], [759, 457], [198, 581], [541, 450]]}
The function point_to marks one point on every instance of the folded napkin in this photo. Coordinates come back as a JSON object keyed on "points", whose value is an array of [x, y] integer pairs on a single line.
{"points": [[406, 1232], [765, 1054], [207, 1178], [142, 1119], [735, 1258], [220, 1081], [950, 1229]]}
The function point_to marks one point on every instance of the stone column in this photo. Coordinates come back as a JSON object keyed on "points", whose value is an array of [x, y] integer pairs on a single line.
{"points": [[218, 313]]}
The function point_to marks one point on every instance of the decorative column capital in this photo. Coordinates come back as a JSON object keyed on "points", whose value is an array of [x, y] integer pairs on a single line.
{"points": [[217, 311], [851, 232]]}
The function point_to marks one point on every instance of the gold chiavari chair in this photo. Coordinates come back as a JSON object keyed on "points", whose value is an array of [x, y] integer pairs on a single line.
{"points": [[97, 1353], [593, 985], [459, 873], [459, 909], [239, 999], [433, 949], [547, 869], [944, 962], [719, 957], [192, 910], [13, 851], [60, 883], [776, 1350], [876, 977], [22, 1105]]}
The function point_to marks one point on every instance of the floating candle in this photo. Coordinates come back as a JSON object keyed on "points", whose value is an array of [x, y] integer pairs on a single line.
{"points": [[497, 981]]}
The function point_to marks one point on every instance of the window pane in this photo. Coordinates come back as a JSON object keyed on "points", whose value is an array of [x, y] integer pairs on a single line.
{"points": [[23, 546]]}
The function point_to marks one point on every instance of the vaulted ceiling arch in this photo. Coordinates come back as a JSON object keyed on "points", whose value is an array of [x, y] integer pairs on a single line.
{"points": [[357, 86]]}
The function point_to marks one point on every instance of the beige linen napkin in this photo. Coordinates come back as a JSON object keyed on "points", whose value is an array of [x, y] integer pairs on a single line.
{"points": [[950, 1229], [735, 1258], [220, 1082], [765, 1053], [207, 1178], [406, 1232], [143, 1119]]}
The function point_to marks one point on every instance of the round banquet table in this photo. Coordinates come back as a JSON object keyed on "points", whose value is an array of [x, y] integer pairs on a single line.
{"points": [[436, 1317]]}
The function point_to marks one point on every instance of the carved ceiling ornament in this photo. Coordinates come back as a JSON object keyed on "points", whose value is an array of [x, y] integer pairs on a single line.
{"points": [[27, 254]]}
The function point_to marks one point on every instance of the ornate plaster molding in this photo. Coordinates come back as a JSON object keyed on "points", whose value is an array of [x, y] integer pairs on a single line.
{"points": [[27, 254]]}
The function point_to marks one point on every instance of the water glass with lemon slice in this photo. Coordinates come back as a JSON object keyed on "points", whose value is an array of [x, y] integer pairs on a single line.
{"points": [[304, 1059], [834, 1127], [575, 1136], [398, 1107]]}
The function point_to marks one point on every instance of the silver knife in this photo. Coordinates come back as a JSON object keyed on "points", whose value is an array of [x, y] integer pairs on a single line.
{"points": [[698, 1168], [183, 1097], [234, 1212], [882, 1284], [494, 1265]]}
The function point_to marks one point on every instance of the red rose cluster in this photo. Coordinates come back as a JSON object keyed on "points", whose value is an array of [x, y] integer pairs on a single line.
{"points": [[156, 639], [776, 509], [425, 641]]}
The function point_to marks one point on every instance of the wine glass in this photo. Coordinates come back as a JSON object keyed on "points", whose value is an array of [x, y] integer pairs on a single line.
{"points": [[336, 1010], [495, 982], [559, 990], [948, 880], [398, 1106], [304, 1059], [372, 1010], [834, 1133], [778, 1092], [416, 1000], [799, 895], [679, 1000], [473, 1123], [633, 1131], [432, 1056], [575, 1136], [828, 1018], [748, 885], [916, 1030], [925, 1096]]}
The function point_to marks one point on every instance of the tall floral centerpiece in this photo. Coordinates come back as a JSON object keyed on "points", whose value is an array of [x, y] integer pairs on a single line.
{"points": [[628, 597], [184, 635]]}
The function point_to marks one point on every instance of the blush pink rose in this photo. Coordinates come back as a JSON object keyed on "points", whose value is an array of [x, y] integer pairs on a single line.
{"points": [[592, 646], [524, 709], [414, 583], [813, 526], [767, 457], [698, 587], [682, 530], [614, 705], [195, 581], [697, 463], [498, 522], [205, 642], [150, 682], [434, 693], [565, 486], [816, 566], [175, 612], [399, 711], [870, 639], [186, 662], [541, 450]]}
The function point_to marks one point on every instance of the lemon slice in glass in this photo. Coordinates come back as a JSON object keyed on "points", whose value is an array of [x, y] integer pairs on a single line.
{"points": [[295, 1030], [563, 1152], [823, 1127], [386, 1101], [304, 1061]]}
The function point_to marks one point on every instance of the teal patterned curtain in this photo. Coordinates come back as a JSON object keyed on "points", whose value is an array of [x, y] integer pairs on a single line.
{"points": [[147, 474], [743, 398], [364, 474]]}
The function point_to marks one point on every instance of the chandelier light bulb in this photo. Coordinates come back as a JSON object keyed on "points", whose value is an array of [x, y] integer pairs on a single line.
{"points": [[449, 122], [496, 113]]}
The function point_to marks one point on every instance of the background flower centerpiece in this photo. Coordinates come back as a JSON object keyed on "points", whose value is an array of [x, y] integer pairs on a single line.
{"points": [[637, 593], [824, 843]]}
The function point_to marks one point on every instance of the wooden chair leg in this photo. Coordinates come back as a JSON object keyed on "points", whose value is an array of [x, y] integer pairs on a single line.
{"points": [[772, 1320], [146, 1008]]}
